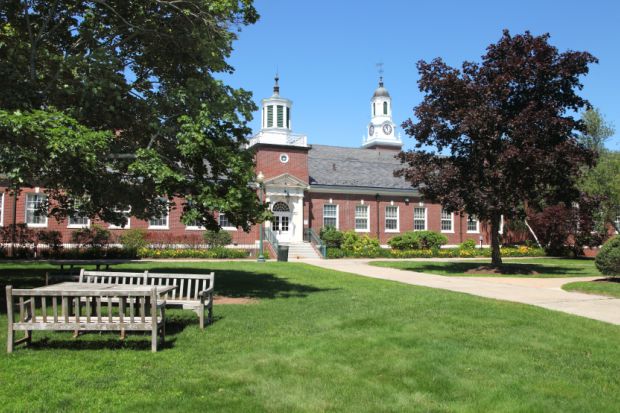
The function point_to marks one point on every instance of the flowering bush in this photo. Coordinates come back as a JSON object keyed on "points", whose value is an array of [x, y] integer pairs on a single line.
{"points": [[522, 251], [413, 240]]}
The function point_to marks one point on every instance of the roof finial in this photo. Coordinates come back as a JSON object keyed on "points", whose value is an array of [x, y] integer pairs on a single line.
{"points": [[380, 70], [276, 87]]}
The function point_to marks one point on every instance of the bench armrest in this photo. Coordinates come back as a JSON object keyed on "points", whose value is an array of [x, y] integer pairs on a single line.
{"points": [[206, 294]]}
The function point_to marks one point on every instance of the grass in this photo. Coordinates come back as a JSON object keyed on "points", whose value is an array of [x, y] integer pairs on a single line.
{"points": [[320, 341], [544, 267], [605, 286]]}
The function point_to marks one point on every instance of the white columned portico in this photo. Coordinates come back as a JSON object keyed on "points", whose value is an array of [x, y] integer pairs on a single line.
{"points": [[285, 195]]}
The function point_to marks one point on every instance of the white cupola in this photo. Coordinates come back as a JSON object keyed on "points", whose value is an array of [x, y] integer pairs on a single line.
{"points": [[276, 127], [381, 129]]}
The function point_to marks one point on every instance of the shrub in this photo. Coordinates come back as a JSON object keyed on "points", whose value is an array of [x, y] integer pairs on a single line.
{"points": [[23, 237], [215, 239], [355, 246], [333, 252], [331, 236], [134, 239], [53, 239], [608, 259], [413, 240], [95, 237], [467, 245], [217, 252]]}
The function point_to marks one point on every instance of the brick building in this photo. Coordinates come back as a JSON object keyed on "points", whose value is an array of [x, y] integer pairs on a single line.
{"points": [[307, 187]]}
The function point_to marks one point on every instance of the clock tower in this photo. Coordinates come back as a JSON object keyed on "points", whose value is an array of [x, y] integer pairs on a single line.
{"points": [[381, 129]]}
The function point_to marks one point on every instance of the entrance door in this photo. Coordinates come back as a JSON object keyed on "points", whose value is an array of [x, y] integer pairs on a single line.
{"points": [[281, 224]]}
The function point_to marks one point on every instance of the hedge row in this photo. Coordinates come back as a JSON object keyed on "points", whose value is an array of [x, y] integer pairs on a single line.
{"points": [[212, 253], [522, 251]]}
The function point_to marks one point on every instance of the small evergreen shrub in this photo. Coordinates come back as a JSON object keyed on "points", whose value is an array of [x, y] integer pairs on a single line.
{"points": [[331, 237], [215, 239], [608, 259], [467, 245]]}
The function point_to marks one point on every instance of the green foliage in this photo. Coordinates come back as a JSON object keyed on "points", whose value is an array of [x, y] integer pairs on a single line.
{"points": [[597, 130], [467, 245], [215, 239], [355, 245], [118, 103], [331, 237], [522, 251], [53, 239], [599, 182], [134, 239], [212, 253], [95, 237], [413, 240], [608, 258]]}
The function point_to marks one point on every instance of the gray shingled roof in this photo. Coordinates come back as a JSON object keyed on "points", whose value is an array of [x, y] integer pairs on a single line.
{"points": [[338, 166]]}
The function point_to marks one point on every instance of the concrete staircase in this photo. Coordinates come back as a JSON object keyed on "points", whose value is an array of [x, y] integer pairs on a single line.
{"points": [[301, 250]]}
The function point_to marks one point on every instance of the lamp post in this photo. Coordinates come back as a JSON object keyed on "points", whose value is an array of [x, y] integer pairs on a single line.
{"points": [[260, 178]]}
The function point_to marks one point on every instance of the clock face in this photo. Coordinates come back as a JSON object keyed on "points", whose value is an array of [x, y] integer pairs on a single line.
{"points": [[371, 130], [387, 129]]}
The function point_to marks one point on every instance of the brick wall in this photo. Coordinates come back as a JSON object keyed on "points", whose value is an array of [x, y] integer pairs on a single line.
{"points": [[268, 161]]}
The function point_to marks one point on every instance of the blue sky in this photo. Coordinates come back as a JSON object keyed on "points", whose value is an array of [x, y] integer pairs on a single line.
{"points": [[326, 53]]}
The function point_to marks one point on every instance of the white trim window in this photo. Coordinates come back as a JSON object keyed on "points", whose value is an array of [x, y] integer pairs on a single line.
{"points": [[330, 215], [419, 219], [2, 209], [391, 219], [161, 222], [34, 217], [78, 220], [127, 214], [473, 225], [362, 223], [224, 222], [447, 221]]}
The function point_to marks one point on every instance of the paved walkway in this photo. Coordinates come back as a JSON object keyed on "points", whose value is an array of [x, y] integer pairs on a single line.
{"points": [[542, 292]]}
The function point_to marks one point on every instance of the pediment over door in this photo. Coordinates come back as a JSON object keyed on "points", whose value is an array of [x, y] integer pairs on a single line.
{"points": [[286, 180]]}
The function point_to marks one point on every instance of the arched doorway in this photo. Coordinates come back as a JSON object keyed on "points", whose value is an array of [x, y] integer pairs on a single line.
{"points": [[281, 224]]}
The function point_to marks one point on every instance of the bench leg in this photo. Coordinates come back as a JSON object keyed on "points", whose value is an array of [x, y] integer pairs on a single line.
{"points": [[201, 317], [10, 340], [210, 316], [123, 334]]}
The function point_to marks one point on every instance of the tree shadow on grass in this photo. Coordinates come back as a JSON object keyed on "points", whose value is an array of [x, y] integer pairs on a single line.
{"points": [[259, 285], [462, 268]]}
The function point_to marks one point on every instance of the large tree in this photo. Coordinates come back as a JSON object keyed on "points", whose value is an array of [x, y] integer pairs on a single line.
{"points": [[495, 135], [111, 104]]}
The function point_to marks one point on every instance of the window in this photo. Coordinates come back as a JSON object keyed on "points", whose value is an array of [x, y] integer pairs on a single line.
{"points": [[361, 218], [288, 117], [447, 222], [374, 109], [224, 222], [617, 222], [78, 221], [162, 221], [385, 107], [269, 116], [419, 219], [472, 224], [34, 217], [126, 213], [283, 158], [330, 215], [2, 209], [280, 116], [391, 219]]}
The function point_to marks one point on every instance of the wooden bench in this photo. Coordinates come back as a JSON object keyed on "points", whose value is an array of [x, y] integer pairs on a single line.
{"points": [[194, 291], [119, 309]]}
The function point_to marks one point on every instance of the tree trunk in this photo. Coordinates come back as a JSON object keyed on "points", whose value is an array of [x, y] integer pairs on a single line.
{"points": [[496, 256]]}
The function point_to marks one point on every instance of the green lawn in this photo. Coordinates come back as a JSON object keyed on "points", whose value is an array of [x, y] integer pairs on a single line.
{"points": [[321, 341], [610, 287], [545, 267]]}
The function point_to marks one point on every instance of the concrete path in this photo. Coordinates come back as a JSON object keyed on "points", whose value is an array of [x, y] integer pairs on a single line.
{"points": [[542, 292]]}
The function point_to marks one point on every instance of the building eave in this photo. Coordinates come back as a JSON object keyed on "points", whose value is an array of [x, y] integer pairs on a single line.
{"points": [[362, 190]]}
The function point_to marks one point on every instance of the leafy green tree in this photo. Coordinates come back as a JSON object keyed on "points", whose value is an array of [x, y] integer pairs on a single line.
{"points": [[500, 132], [603, 181], [597, 131], [115, 103]]}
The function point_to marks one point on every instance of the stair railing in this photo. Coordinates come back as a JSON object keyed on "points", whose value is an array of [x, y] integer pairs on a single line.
{"points": [[271, 238], [316, 241]]}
